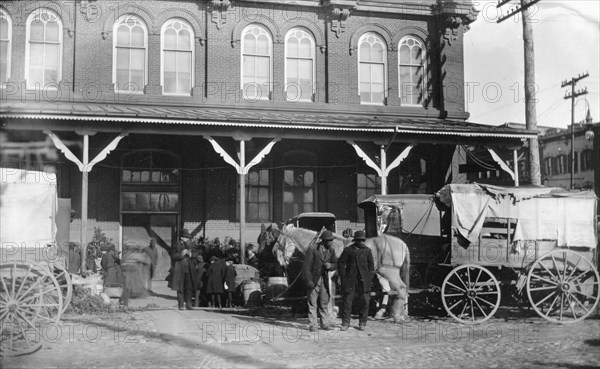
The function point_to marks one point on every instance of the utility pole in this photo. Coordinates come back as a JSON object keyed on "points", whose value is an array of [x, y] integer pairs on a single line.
{"points": [[573, 95], [530, 101]]}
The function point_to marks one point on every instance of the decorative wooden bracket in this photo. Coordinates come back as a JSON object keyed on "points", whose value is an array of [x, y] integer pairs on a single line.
{"points": [[85, 167], [502, 164], [366, 158], [398, 160], [229, 160]]}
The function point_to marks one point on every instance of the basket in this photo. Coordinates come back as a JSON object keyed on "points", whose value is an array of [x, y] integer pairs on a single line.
{"points": [[113, 290]]}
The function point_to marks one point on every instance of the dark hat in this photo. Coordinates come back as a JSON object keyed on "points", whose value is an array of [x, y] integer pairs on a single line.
{"points": [[327, 235], [360, 236], [184, 233], [200, 258], [214, 258], [104, 248]]}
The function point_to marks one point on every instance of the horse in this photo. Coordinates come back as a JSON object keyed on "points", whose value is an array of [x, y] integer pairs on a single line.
{"points": [[390, 254]]}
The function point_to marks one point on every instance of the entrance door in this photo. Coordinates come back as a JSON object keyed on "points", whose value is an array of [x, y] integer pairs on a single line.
{"points": [[139, 228]]}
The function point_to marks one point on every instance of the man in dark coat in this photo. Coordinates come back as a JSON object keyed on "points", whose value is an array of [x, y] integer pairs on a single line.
{"points": [[319, 260], [200, 277], [215, 279], [183, 279], [230, 275], [356, 268]]}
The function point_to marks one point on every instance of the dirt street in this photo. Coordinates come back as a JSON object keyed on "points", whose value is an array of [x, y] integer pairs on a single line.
{"points": [[264, 338]]}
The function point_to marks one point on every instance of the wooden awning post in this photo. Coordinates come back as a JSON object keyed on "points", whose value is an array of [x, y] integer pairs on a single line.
{"points": [[85, 166], [84, 202], [242, 169], [383, 163], [242, 201], [516, 167]]}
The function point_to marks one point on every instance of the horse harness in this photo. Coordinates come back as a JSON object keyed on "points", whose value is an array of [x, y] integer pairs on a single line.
{"points": [[380, 259]]}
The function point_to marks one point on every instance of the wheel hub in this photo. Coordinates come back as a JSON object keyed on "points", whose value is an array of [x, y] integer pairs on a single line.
{"points": [[565, 287], [471, 294], [12, 307]]}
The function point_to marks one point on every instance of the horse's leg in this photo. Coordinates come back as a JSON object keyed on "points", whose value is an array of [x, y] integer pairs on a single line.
{"points": [[385, 286], [392, 274]]}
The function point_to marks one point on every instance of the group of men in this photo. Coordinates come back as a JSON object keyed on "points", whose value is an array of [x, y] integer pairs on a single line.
{"points": [[355, 267], [191, 277]]}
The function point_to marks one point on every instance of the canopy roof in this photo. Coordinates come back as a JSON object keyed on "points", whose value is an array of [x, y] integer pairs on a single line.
{"points": [[320, 118]]}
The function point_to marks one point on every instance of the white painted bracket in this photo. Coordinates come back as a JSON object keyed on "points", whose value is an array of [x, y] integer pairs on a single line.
{"points": [[84, 167], [260, 156], [228, 159], [398, 160], [502, 164], [366, 158]]}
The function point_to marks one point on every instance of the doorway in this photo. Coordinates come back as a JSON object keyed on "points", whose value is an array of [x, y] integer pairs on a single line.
{"points": [[138, 228]]}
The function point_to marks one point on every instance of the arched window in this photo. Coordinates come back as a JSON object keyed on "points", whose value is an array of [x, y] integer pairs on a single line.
{"points": [[43, 57], [411, 71], [130, 54], [177, 62], [257, 63], [299, 65], [372, 69], [5, 45]]}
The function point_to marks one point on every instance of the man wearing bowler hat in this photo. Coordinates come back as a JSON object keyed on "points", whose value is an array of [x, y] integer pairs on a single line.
{"points": [[183, 280], [318, 260], [356, 268]]}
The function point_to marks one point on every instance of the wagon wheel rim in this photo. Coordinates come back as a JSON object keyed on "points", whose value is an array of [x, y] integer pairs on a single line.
{"points": [[30, 297], [64, 281], [563, 286], [48, 307], [471, 294]]}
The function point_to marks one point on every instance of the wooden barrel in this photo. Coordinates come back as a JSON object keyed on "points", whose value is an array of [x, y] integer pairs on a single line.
{"points": [[252, 293]]}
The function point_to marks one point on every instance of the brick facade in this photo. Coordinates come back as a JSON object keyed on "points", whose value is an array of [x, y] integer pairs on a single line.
{"points": [[208, 190]]}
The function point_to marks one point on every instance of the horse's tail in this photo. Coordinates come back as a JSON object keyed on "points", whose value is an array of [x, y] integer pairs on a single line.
{"points": [[405, 268]]}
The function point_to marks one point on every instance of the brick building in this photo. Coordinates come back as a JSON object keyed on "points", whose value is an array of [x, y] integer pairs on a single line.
{"points": [[176, 105]]}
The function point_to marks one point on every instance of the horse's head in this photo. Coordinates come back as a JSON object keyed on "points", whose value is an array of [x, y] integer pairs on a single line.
{"points": [[292, 238], [284, 246]]}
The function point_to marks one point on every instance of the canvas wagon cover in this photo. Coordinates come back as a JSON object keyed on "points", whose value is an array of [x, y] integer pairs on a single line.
{"points": [[542, 213], [28, 205]]}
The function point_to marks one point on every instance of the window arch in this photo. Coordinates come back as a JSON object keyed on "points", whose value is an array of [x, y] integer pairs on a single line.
{"points": [[177, 57], [411, 71], [5, 45], [372, 69], [44, 49], [130, 54], [299, 65], [257, 62]]}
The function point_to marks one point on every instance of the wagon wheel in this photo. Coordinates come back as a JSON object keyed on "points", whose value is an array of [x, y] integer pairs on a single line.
{"points": [[562, 286], [64, 281], [30, 297], [471, 294]]}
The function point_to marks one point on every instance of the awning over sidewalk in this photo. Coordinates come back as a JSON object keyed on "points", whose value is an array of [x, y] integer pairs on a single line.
{"points": [[324, 119]]}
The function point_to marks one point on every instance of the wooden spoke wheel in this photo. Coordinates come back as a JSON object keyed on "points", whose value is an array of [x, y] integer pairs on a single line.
{"points": [[562, 286], [64, 280], [30, 297], [471, 294]]}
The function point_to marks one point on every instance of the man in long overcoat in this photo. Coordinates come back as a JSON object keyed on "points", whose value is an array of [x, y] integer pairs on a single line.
{"points": [[184, 270], [356, 268], [215, 279], [319, 260]]}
